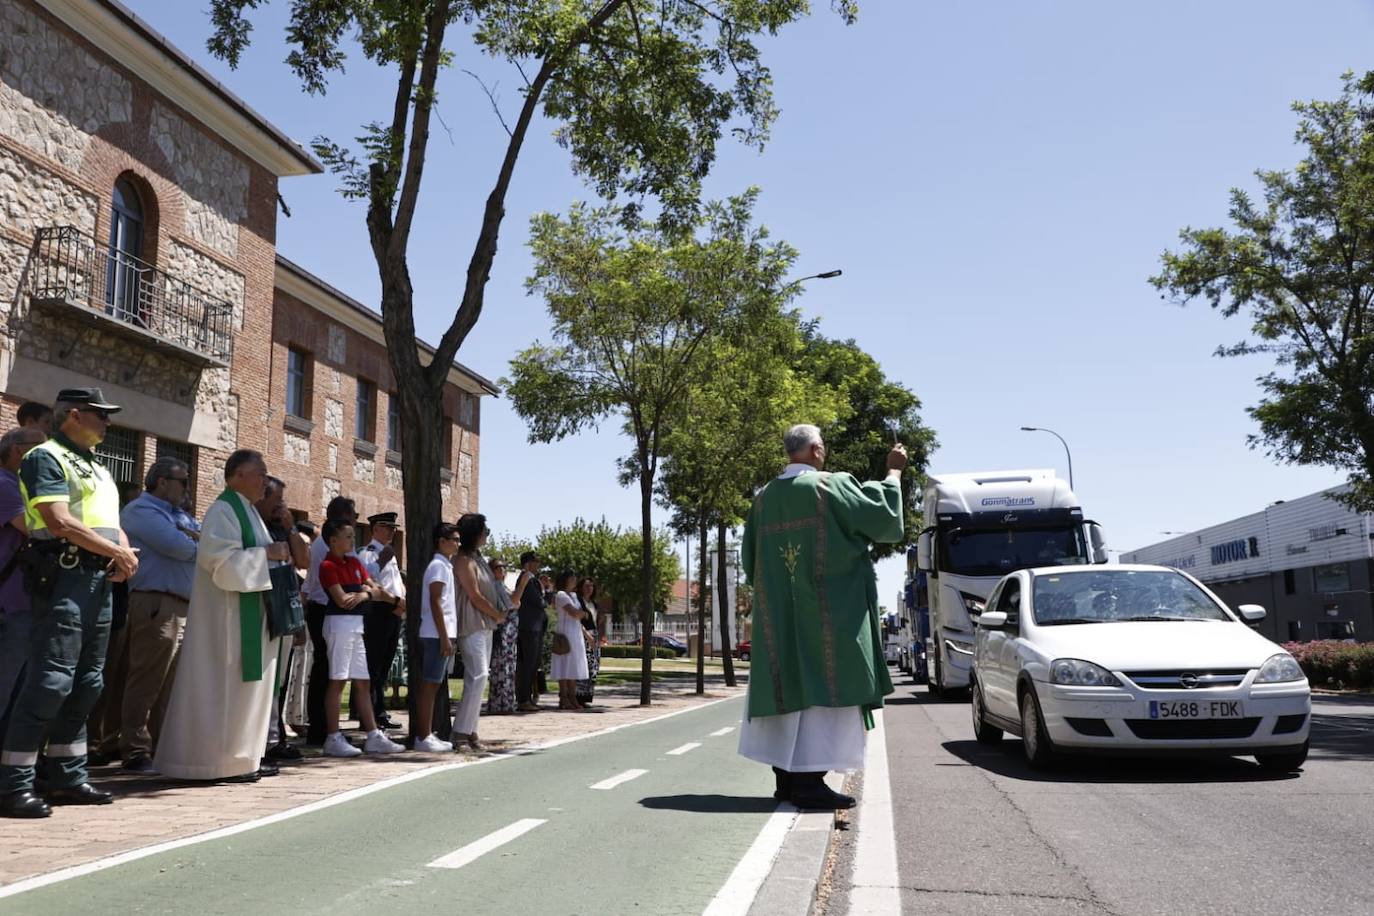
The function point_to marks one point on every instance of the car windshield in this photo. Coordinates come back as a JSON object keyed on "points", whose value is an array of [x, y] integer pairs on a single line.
{"points": [[1113, 596], [973, 552]]}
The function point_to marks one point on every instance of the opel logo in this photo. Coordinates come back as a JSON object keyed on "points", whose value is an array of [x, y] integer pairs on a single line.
{"points": [[1188, 679]]}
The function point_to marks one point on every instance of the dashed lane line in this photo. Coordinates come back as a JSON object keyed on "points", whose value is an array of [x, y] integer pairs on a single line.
{"points": [[478, 848], [689, 746], [722, 731], [607, 784]]}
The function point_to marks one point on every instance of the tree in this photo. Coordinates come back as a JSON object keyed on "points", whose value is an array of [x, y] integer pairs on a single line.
{"points": [[632, 309], [874, 413], [640, 93], [611, 557], [1301, 263]]}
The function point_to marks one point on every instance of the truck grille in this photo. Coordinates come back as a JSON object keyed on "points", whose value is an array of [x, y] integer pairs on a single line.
{"points": [[1184, 729], [1174, 680]]}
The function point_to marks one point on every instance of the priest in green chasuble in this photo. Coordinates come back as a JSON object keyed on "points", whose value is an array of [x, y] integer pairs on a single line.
{"points": [[817, 670]]}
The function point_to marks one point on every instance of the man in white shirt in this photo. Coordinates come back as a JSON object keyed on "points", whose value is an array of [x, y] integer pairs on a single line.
{"points": [[438, 635], [382, 622], [341, 509]]}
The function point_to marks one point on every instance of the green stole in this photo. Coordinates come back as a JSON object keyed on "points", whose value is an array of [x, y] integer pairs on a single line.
{"points": [[250, 603]]}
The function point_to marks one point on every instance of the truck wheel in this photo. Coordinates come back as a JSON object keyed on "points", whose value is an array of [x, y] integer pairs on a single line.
{"points": [[935, 684], [1283, 763], [982, 731], [1035, 740]]}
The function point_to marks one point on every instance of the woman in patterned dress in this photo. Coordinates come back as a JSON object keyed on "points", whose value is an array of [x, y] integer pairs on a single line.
{"points": [[501, 686], [586, 593]]}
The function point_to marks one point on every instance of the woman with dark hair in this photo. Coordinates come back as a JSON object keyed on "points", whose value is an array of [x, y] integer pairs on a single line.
{"points": [[586, 595], [501, 687], [571, 666], [479, 613]]}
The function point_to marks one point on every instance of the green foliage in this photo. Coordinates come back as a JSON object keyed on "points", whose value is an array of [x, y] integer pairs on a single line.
{"points": [[875, 411], [1334, 664], [611, 556], [634, 652], [1300, 264]]}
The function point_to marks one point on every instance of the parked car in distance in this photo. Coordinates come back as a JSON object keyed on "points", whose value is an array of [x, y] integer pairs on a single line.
{"points": [[742, 651], [1133, 659], [670, 642]]}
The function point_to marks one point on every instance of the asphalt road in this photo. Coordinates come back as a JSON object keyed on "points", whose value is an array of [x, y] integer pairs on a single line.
{"points": [[977, 831], [660, 841]]}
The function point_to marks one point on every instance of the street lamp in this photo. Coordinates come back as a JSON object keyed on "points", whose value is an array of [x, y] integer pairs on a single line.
{"points": [[1041, 429], [827, 275]]}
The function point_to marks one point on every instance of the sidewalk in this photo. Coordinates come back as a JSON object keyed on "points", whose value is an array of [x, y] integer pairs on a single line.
{"points": [[151, 810]]}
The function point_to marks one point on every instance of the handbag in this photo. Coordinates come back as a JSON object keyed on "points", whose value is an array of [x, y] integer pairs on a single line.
{"points": [[285, 612], [561, 644]]}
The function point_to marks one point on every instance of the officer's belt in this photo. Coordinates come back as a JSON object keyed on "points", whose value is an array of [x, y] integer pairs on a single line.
{"points": [[69, 555]]}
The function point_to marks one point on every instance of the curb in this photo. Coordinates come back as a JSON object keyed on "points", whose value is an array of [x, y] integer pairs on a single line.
{"points": [[791, 885]]}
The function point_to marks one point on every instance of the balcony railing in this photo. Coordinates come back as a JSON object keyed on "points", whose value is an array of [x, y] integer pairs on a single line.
{"points": [[69, 267]]}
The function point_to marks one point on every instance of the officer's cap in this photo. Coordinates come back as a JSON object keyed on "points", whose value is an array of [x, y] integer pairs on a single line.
{"points": [[382, 518], [90, 397]]}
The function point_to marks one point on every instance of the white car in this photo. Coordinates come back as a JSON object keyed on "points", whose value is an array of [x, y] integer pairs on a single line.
{"points": [[1132, 659]]}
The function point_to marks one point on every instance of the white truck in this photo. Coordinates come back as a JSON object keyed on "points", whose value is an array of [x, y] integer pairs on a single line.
{"points": [[980, 527]]}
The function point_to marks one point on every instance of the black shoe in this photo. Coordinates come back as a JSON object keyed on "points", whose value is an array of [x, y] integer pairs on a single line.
{"points": [[267, 768], [809, 792], [387, 722], [783, 785], [140, 763], [244, 777], [23, 804], [283, 751], [98, 759], [84, 794]]}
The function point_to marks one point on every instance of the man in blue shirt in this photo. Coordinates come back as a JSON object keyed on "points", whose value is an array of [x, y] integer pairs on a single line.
{"points": [[158, 597], [16, 621]]}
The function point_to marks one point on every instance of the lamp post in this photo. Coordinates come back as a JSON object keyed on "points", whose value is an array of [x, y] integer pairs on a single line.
{"points": [[827, 275], [1067, 453]]}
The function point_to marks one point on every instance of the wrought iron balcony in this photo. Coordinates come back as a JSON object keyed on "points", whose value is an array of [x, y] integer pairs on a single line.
{"points": [[71, 271]]}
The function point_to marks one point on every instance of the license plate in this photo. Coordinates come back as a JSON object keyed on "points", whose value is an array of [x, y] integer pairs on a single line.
{"points": [[1196, 709]]}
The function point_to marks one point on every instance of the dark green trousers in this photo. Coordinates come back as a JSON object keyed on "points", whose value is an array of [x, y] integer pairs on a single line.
{"points": [[71, 631]]}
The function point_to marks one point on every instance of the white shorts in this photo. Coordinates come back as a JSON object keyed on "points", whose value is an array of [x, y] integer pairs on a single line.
{"points": [[343, 635]]}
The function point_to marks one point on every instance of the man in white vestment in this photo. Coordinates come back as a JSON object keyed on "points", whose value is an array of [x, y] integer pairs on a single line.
{"points": [[221, 701]]}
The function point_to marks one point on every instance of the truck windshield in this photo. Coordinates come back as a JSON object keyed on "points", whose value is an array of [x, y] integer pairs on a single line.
{"points": [[984, 552]]}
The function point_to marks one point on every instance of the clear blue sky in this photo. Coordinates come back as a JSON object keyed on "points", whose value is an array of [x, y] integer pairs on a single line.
{"points": [[997, 180]]}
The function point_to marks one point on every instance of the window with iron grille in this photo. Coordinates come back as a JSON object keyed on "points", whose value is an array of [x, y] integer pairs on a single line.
{"points": [[119, 453], [365, 411], [297, 369]]}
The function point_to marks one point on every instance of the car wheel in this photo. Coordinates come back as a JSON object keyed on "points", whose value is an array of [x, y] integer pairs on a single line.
{"points": [[1283, 763], [1034, 739], [744, 656], [982, 731]]}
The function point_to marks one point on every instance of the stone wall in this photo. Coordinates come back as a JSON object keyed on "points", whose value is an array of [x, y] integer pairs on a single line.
{"points": [[214, 180]]}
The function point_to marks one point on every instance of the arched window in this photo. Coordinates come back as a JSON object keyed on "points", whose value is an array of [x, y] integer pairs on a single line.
{"points": [[124, 274]]}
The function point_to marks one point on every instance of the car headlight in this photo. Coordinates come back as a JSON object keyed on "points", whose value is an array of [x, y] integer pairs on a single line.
{"points": [[959, 646], [1279, 668], [1078, 673], [973, 603]]}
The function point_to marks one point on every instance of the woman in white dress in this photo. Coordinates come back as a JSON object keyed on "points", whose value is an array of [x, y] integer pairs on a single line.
{"points": [[571, 666]]}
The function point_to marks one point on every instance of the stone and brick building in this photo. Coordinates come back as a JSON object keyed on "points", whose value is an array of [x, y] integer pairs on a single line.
{"points": [[138, 208]]}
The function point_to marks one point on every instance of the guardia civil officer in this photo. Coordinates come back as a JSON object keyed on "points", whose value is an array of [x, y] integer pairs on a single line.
{"points": [[75, 551], [382, 622]]}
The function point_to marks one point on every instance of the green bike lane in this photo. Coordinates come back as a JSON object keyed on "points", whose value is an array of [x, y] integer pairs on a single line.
{"points": [[663, 842]]}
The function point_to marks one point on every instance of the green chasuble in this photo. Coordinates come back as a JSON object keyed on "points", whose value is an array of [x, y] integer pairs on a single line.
{"points": [[817, 640]]}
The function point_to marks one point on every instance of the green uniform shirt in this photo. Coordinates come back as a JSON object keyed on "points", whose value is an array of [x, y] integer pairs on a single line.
{"points": [[817, 640]]}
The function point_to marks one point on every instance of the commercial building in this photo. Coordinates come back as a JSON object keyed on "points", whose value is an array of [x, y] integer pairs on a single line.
{"points": [[1308, 561], [138, 209]]}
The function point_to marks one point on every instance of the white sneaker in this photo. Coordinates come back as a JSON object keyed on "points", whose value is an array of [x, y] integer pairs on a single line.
{"points": [[378, 743], [433, 744], [336, 745]]}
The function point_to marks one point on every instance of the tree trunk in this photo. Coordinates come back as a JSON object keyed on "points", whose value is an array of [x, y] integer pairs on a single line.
{"points": [[726, 612], [646, 581], [701, 610], [422, 414]]}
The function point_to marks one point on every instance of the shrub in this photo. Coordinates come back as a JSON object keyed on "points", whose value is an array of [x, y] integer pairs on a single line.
{"points": [[633, 652], [1332, 663]]}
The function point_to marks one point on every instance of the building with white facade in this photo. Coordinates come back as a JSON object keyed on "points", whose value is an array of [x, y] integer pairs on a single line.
{"points": [[1308, 561]]}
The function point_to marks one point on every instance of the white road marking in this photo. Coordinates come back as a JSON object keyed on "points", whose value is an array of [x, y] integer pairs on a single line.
{"points": [[608, 784], [722, 731], [478, 848], [874, 891], [736, 896], [689, 746], [133, 855]]}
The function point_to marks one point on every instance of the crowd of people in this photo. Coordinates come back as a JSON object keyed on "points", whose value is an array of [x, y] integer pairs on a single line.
{"points": [[129, 629]]}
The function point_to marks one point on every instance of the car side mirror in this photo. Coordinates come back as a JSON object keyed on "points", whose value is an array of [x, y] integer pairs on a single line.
{"points": [[1252, 613], [992, 620], [923, 551], [1098, 542]]}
